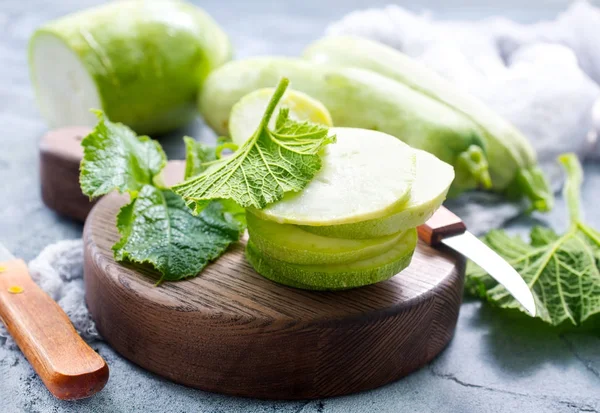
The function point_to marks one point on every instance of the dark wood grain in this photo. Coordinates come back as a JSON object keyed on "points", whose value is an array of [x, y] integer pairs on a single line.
{"points": [[442, 224], [60, 155], [69, 368], [232, 331]]}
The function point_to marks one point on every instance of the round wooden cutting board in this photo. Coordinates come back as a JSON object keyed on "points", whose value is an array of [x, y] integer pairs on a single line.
{"points": [[232, 331]]}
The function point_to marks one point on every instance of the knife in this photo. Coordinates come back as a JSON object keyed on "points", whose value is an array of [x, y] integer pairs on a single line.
{"points": [[69, 368], [446, 228]]}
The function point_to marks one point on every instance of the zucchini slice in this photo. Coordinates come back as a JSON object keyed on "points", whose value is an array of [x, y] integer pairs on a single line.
{"points": [[365, 175], [428, 192], [247, 113]]}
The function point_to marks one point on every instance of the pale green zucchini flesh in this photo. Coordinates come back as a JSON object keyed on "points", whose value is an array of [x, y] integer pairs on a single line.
{"points": [[364, 175], [428, 191]]}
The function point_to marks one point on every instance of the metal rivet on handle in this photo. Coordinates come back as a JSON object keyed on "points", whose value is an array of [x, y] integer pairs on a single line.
{"points": [[15, 289]]}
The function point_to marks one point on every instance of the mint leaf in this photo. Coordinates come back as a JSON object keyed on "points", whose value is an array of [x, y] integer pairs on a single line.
{"points": [[562, 271], [115, 158], [157, 228], [269, 164]]}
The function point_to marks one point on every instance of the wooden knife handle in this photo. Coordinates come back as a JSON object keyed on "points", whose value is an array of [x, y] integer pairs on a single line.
{"points": [[442, 224], [69, 368]]}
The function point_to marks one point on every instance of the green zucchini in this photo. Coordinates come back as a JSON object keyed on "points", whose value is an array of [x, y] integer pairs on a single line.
{"points": [[357, 98], [141, 62], [512, 160]]}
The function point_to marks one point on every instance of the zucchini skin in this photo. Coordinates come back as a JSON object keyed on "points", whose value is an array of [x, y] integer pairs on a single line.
{"points": [[356, 98], [331, 277], [512, 159], [147, 58]]}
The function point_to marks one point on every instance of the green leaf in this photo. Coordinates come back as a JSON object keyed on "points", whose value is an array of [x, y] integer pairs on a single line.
{"points": [[197, 154], [269, 164], [235, 212], [541, 236], [562, 271], [115, 158], [158, 229]]}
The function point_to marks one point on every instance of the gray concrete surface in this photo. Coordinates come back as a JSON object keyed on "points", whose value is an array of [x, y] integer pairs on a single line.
{"points": [[494, 364]]}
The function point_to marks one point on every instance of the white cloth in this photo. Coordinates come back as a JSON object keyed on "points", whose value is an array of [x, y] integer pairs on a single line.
{"points": [[543, 77]]}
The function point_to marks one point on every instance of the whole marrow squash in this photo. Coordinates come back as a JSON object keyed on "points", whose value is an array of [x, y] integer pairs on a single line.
{"points": [[512, 160], [361, 99], [141, 62]]}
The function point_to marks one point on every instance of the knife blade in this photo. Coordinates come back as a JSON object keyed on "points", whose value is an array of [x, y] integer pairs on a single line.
{"points": [[68, 367], [446, 228]]}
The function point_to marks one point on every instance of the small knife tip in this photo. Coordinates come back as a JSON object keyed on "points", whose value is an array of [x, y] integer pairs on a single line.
{"points": [[530, 306]]}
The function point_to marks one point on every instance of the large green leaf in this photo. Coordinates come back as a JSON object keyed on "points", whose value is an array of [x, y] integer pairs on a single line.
{"points": [[197, 156], [157, 228], [562, 271], [269, 164]]}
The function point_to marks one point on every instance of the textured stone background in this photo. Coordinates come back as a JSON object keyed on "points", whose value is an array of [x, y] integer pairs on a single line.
{"points": [[494, 364]]}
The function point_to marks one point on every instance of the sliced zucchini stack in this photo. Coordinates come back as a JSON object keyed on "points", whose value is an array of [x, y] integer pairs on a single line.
{"points": [[336, 276], [354, 224]]}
